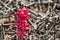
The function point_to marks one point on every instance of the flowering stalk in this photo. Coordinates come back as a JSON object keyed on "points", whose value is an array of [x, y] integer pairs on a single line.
{"points": [[21, 22]]}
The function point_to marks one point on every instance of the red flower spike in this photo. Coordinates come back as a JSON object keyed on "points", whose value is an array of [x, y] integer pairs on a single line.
{"points": [[22, 15]]}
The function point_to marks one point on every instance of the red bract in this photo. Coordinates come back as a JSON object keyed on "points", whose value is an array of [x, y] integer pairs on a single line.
{"points": [[21, 22], [26, 11], [26, 26]]}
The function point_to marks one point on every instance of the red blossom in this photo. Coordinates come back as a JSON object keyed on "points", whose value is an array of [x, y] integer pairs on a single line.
{"points": [[21, 23]]}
